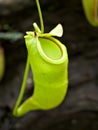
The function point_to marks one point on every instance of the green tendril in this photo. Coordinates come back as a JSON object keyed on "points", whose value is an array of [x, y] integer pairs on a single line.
{"points": [[40, 16], [22, 88]]}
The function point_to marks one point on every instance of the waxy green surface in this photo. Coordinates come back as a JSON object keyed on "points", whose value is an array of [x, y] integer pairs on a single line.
{"points": [[91, 11], [48, 60]]}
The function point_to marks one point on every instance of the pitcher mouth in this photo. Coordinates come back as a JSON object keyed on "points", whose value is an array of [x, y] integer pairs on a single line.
{"points": [[63, 51]]}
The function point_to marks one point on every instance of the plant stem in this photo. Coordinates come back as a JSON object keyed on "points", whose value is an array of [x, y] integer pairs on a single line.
{"points": [[22, 88], [40, 16]]}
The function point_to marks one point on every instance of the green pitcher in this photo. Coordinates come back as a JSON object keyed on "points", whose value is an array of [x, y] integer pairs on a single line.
{"points": [[91, 11], [2, 63], [48, 60]]}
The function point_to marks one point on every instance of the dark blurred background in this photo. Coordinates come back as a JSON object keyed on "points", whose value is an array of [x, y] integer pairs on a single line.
{"points": [[79, 111]]}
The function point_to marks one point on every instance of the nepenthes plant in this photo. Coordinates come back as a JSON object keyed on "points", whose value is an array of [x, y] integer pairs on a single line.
{"points": [[48, 59], [2, 63], [91, 11]]}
